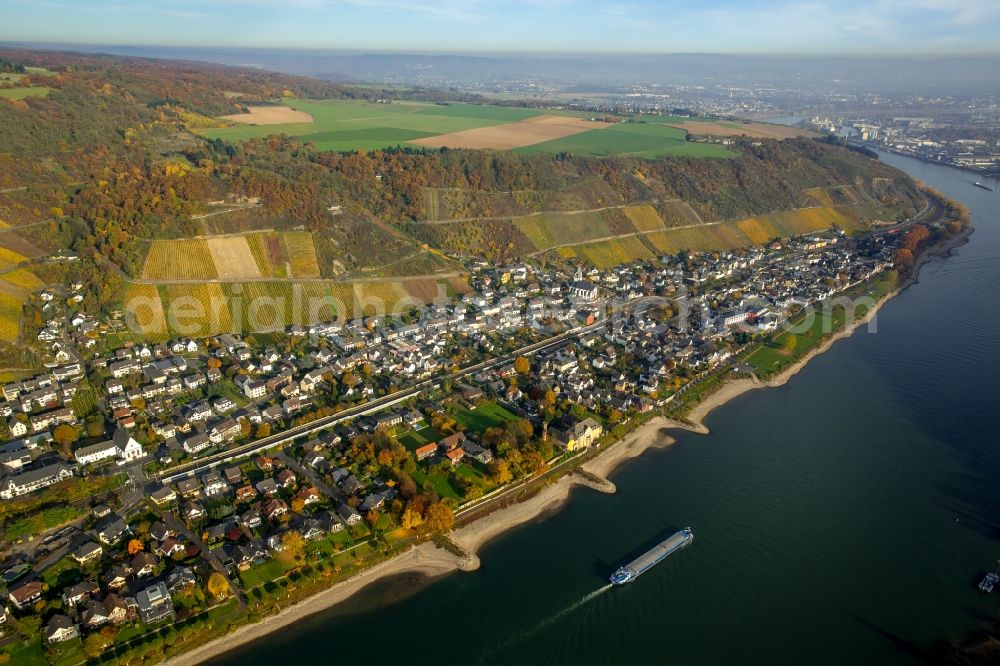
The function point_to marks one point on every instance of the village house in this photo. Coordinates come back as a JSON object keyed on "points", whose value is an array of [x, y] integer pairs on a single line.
{"points": [[88, 552], [579, 435], [26, 595], [155, 604], [61, 628]]}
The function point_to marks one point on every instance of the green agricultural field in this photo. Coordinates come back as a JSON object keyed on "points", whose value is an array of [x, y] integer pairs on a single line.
{"points": [[345, 125], [503, 114], [363, 139], [354, 125], [639, 139], [25, 91]]}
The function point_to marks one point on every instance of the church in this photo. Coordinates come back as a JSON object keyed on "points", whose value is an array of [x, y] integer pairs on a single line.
{"points": [[581, 289]]}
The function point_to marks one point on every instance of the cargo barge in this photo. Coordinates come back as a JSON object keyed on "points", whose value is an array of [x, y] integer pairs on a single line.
{"points": [[653, 556]]}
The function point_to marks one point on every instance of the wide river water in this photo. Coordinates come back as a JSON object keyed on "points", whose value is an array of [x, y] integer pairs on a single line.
{"points": [[841, 519]]}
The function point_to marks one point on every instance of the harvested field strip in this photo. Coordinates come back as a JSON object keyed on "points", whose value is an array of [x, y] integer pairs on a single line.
{"points": [[644, 218], [425, 290], [187, 259], [270, 114], [233, 258], [9, 258], [545, 231], [10, 317], [566, 253], [458, 286], [144, 307], [198, 310], [512, 135], [301, 254]]}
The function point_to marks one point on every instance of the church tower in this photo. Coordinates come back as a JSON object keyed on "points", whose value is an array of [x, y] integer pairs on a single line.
{"points": [[579, 274]]}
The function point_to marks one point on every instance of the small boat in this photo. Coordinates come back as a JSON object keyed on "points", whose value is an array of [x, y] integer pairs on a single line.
{"points": [[985, 187]]}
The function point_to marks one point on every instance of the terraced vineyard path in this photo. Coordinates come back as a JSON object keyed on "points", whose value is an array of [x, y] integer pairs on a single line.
{"points": [[581, 211]]}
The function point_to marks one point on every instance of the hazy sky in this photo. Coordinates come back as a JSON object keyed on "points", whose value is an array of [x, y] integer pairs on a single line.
{"points": [[662, 26]]}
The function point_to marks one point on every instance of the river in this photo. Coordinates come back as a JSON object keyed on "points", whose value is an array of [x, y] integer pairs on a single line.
{"points": [[843, 518]]}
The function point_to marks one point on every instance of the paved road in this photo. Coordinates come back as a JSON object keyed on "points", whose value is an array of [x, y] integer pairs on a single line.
{"points": [[135, 485]]}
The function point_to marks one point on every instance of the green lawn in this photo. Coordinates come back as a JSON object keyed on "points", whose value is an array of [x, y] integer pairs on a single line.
{"points": [[69, 653], [413, 439], [447, 486], [31, 654], [61, 574], [25, 91], [473, 472], [442, 483], [772, 357], [486, 415], [264, 573], [639, 139], [326, 544]]}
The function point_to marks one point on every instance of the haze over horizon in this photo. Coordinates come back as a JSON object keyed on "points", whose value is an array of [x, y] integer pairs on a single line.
{"points": [[850, 27]]}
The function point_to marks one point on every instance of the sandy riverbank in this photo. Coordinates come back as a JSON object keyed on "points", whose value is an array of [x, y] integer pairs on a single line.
{"points": [[426, 559]]}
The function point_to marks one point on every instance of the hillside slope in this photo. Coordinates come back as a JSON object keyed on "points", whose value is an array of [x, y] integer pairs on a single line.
{"points": [[107, 161]]}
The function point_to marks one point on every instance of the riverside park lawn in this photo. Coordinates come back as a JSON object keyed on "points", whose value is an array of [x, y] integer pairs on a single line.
{"points": [[773, 357]]}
